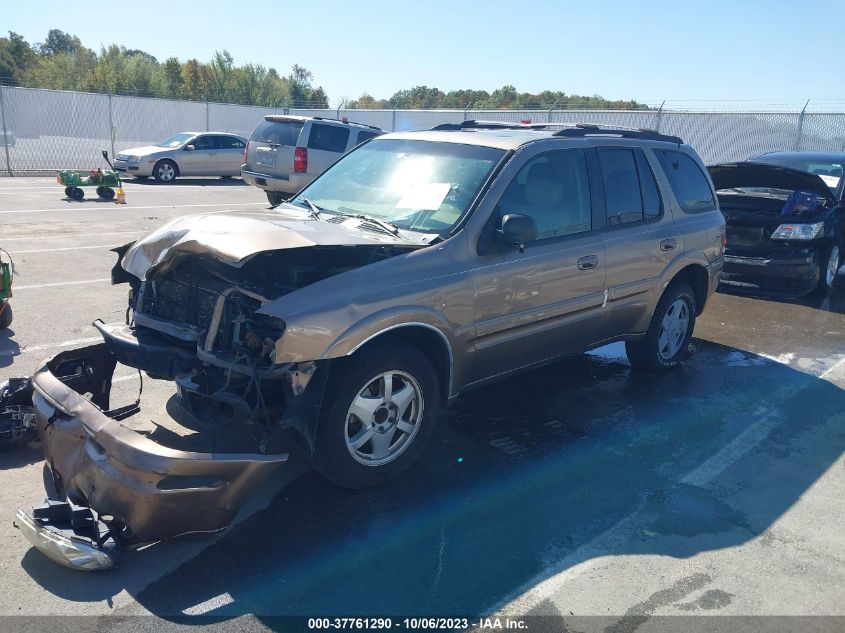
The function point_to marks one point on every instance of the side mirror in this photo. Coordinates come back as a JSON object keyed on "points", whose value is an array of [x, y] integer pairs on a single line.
{"points": [[517, 229], [189, 148]]}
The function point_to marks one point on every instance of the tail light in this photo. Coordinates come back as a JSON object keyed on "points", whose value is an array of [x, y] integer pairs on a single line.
{"points": [[246, 152], [300, 160]]}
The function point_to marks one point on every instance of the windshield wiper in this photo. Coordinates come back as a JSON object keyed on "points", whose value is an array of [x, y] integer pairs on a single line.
{"points": [[387, 226], [312, 208]]}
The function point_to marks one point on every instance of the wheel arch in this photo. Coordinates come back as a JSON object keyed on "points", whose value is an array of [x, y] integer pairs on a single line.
{"points": [[430, 340], [697, 277]]}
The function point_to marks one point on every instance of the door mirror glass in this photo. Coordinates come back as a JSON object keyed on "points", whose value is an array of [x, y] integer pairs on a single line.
{"points": [[517, 229], [189, 148]]}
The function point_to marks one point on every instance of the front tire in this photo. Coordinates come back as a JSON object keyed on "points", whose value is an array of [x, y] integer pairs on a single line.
{"points": [[380, 408], [165, 171], [5, 315], [829, 267], [666, 342]]}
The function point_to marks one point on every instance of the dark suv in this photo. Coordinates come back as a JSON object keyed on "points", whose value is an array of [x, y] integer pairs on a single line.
{"points": [[420, 265]]}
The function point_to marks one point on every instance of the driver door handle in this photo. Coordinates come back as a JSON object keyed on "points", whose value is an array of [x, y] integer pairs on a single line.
{"points": [[669, 244], [588, 262]]}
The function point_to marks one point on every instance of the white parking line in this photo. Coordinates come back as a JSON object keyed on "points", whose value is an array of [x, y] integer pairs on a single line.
{"points": [[209, 605], [64, 236], [46, 346], [66, 248], [128, 207], [61, 283]]}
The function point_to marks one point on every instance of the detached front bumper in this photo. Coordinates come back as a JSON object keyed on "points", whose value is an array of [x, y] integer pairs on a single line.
{"points": [[142, 490], [795, 275]]}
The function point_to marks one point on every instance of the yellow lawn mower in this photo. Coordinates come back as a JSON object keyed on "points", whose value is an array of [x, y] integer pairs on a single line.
{"points": [[7, 268]]}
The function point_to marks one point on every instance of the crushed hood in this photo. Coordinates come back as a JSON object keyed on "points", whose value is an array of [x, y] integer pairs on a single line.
{"points": [[751, 174], [234, 236]]}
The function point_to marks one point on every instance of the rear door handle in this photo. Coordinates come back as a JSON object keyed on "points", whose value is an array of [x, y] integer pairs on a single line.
{"points": [[588, 262], [669, 244]]}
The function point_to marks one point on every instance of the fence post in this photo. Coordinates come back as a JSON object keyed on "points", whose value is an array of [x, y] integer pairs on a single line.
{"points": [[393, 123], [659, 116], [5, 138], [800, 131], [111, 125], [287, 109], [207, 129], [465, 110], [549, 113]]}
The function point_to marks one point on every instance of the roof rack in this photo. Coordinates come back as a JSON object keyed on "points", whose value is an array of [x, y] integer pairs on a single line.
{"points": [[569, 129], [472, 124], [588, 129], [325, 118]]}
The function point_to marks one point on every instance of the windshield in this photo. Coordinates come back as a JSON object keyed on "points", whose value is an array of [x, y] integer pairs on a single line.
{"points": [[415, 185], [829, 171], [176, 141]]}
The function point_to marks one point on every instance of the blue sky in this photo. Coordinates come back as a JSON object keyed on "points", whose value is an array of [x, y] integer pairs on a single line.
{"points": [[770, 52]]}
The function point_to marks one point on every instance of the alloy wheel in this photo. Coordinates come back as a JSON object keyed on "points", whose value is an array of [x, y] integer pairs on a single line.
{"points": [[384, 418], [673, 329]]}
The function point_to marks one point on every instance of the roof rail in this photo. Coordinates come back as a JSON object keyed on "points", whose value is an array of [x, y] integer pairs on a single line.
{"points": [[472, 124], [588, 129], [325, 118]]}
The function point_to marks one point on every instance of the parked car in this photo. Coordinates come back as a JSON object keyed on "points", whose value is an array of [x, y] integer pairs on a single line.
{"points": [[420, 265], [285, 153], [784, 214], [186, 154]]}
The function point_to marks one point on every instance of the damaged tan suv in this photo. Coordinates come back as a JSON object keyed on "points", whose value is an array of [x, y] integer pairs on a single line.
{"points": [[420, 265]]}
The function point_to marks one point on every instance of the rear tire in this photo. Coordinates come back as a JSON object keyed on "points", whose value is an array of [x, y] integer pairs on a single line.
{"points": [[274, 198], [5, 315], [68, 192], [77, 194], [829, 267], [367, 434], [165, 171], [666, 342]]}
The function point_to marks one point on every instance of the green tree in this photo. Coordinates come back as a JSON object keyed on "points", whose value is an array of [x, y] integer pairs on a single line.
{"points": [[59, 42]]}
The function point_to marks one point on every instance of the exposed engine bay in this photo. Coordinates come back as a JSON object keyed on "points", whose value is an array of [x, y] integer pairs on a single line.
{"points": [[208, 313]]}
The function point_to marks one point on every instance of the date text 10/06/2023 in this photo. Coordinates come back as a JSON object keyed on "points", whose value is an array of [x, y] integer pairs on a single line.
{"points": [[417, 624]]}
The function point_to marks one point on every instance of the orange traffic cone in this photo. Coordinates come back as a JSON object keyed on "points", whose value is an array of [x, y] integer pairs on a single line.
{"points": [[121, 197]]}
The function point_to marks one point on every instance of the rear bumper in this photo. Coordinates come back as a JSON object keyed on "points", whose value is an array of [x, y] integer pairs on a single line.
{"points": [[292, 184], [791, 275], [149, 492]]}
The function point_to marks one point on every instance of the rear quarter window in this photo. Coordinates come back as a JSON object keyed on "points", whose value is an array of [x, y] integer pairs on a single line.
{"points": [[688, 182], [277, 132], [330, 138]]}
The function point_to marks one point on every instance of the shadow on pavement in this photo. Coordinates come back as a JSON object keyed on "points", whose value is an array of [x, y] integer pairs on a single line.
{"points": [[9, 347], [522, 480]]}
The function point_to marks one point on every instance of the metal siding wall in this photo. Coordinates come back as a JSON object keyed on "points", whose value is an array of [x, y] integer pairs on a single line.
{"points": [[55, 129]]}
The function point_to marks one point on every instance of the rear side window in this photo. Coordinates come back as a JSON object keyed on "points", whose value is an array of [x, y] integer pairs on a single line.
{"points": [[228, 142], [331, 138], [630, 191], [688, 182], [277, 132], [365, 136]]}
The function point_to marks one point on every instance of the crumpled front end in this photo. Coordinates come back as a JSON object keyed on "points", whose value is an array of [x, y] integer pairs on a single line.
{"points": [[141, 491]]}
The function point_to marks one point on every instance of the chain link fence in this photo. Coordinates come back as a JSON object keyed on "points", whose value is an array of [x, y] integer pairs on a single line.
{"points": [[45, 130]]}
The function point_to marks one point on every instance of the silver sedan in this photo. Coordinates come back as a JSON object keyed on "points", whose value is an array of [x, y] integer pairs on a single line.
{"points": [[186, 154]]}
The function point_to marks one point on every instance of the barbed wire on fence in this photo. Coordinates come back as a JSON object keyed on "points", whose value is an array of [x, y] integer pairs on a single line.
{"points": [[49, 129]]}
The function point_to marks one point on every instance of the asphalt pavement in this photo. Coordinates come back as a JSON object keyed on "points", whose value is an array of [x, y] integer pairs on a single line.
{"points": [[583, 488]]}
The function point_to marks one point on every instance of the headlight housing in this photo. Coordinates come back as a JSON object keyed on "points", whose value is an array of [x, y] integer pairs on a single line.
{"points": [[798, 231]]}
